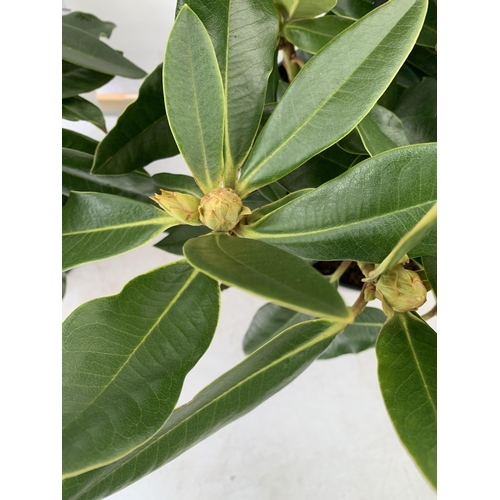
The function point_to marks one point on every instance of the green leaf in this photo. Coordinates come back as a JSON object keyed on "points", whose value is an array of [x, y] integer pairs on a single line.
{"points": [[125, 358], [273, 192], [83, 49], [332, 93], [270, 207], [406, 77], [268, 321], [77, 80], [255, 201], [141, 134], [64, 281], [321, 168], [408, 242], [77, 108], [139, 186], [311, 34], [424, 59], [353, 144], [428, 35], [266, 271], [272, 86], [231, 396], [381, 130], [387, 195], [298, 9], [177, 237], [407, 358], [430, 266], [194, 99], [417, 109], [358, 336], [245, 37], [89, 23], [78, 142], [353, 9], [97, 226]]}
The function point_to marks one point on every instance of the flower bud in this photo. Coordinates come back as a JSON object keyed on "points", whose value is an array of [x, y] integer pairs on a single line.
{"points": [[221, 209], [184, 207], [400, 290]]}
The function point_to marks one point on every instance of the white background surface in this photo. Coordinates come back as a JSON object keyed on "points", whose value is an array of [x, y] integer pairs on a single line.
{"points": [[325, 436]]}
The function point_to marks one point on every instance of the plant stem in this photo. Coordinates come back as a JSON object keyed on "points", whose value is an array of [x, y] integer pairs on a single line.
{"points": [[358, 306], [290, 63], [340, 271], [430, 314]]}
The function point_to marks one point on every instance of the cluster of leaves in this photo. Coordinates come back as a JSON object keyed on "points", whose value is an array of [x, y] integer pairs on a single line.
{"points": [[333, 151]]}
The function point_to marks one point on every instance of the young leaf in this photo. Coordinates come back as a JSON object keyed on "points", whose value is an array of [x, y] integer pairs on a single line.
{"points": [[311, 34], [417, 109], [266, 271], [89, 23], [407, 357], [245, 36], [84, 49], [194, 99], [77, 108], [298, 9], [234, 394], [332, 93], [268, 321], [381, 130], [387, 195], [408, 242], [79, 142], [77, 80], [97, 226], [125, 358], [141, 134], [358, 336]]}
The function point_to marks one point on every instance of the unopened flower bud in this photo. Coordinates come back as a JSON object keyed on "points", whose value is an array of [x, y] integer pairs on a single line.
{"points": [[401, 290], [184, 207], [221, 209]]}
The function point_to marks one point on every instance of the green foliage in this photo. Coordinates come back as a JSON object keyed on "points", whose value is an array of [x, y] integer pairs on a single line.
{"points": [[333, 152]]}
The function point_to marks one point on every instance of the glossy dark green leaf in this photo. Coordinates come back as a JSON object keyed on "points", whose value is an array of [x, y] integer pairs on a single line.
{"points": [[358, 336], [268, 321], [406, 77], [417, 109], [311, 34], [78, 142], [125, 358], [407, 372], [424, 59], [97, 226], [255, 200], [430, 265], [139, 186], [177, 237], [353, 9], [89, 23], [245, 37], [332, 93], [141, 134], [77, 108], [369, 209], [390, 97], [381, 130], [299, 9], [84, 49], [77, 80], [191, 75], [266, 271], [321, 168], [353, 144], [238, 391], [273, 192], [272, 85], [428, 35]]}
